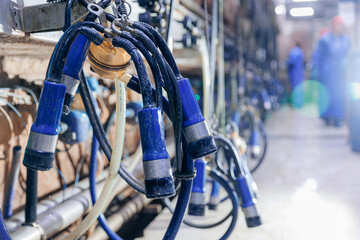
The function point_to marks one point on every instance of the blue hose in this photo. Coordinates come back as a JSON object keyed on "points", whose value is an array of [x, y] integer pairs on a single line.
{"points": [[183, 198], [4, 234], [234, 199], [92, 175], [12, 182]]}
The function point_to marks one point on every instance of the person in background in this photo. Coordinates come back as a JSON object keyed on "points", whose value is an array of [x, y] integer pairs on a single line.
{"points": [[332, 50], [296, 72]]}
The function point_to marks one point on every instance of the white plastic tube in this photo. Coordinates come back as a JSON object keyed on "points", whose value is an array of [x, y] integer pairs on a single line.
{"points": [[112, 178], [205, 63]]}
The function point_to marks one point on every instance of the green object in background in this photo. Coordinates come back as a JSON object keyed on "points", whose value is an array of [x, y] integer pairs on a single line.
{"points": [[310, 98]]}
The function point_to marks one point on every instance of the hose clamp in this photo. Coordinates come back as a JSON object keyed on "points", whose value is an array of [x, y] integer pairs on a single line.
{"points": [[157, 168], [198, 198], [42, 142], [196, 131], [71, 84], [250, 212]]}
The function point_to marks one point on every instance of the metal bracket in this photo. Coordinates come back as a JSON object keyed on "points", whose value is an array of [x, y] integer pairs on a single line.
{"points": [[47, 17], [15, 14], [98, 11]]}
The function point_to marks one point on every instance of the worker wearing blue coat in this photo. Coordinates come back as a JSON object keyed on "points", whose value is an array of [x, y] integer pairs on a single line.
{"points": [[296, 72], [332, 50]]}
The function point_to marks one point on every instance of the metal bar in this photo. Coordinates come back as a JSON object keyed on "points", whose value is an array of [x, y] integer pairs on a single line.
{"points": [[117, 219]]}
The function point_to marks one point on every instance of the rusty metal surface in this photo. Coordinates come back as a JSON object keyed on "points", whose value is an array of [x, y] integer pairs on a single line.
{"points": [[48, 17]]}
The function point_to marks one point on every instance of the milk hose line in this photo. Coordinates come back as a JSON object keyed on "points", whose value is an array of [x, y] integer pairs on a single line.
{"points": [[171, 86], [57, 62], [135, 159], [100, 133], [206, 78], [92, 176], [220, 107], [160, 42], [140, 32], [168, 75], [211, 225], [158, 78], [213, 44], [14, 95], [64, 182], [185, 188], [170, 83], [239, 165], [151, 33], [112, 177], [31, 92], [8, 118], [16, 112], [207, 33]]}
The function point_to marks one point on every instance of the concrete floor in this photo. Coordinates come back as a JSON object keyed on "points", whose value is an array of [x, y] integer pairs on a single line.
{"points": [[309, 185]]}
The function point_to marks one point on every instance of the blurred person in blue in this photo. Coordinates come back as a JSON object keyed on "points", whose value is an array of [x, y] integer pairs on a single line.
{"points": [[296, 72], [332, 50]]}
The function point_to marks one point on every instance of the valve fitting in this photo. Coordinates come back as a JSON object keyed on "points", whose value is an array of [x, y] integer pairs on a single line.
{"points": [[40, 150], [248, 202], [198, 198], [159, 182], [214, 196], [200, 141]]}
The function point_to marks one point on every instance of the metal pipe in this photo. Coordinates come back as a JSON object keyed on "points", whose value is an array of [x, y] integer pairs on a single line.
{"points": [[17, 219], [57, 218], [116, 220], [11, 186], [60, 216]]}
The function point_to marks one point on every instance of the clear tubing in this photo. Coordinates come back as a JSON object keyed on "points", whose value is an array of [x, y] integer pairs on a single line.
{"points": [[112, 178]]}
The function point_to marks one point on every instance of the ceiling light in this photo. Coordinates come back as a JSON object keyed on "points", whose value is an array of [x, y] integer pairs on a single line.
{"points": [[304, 0], [280, 9], [302, 12]]}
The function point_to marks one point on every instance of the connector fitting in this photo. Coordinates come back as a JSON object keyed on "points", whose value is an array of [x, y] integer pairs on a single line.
{"points": [[72, 85], [159, 182], [200, 141], [108, 61], [255, 143], [78, 124], [198, 198], [40, 150], [248, 202], [214, 196]]}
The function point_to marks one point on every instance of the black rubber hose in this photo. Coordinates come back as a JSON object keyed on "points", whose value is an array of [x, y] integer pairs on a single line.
{"points": [[88, 101], [153, 66], [58, 58], [145, 86], [234, 213], [161, 44], [31, 196], [68, 7], [171, 87]]}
